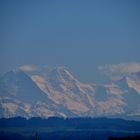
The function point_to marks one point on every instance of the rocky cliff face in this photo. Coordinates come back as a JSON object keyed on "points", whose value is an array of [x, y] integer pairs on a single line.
{"points": [[33, 91]]}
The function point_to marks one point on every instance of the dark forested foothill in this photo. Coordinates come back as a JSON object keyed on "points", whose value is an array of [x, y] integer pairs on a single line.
{"points": [[68, 129], [125, 138]]}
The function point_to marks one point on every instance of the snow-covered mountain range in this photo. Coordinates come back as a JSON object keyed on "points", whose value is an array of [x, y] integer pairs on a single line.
{"points": [[31, 91]]}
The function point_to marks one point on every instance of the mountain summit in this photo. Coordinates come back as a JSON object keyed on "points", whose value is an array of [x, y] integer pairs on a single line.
{"points": [[32, 91]]}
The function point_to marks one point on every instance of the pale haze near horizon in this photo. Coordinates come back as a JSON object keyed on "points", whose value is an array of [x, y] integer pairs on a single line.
{"points": [[80, 35]]}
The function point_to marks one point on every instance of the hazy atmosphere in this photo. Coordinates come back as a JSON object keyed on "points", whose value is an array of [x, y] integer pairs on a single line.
{"points": [[69, 69], [78, 34]]}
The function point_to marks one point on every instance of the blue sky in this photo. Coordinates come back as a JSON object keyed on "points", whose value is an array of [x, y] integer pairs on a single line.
{"points": [[79, 34]]}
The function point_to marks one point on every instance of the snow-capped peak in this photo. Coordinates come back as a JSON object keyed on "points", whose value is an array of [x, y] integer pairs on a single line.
{"points": [[58, 92]]}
